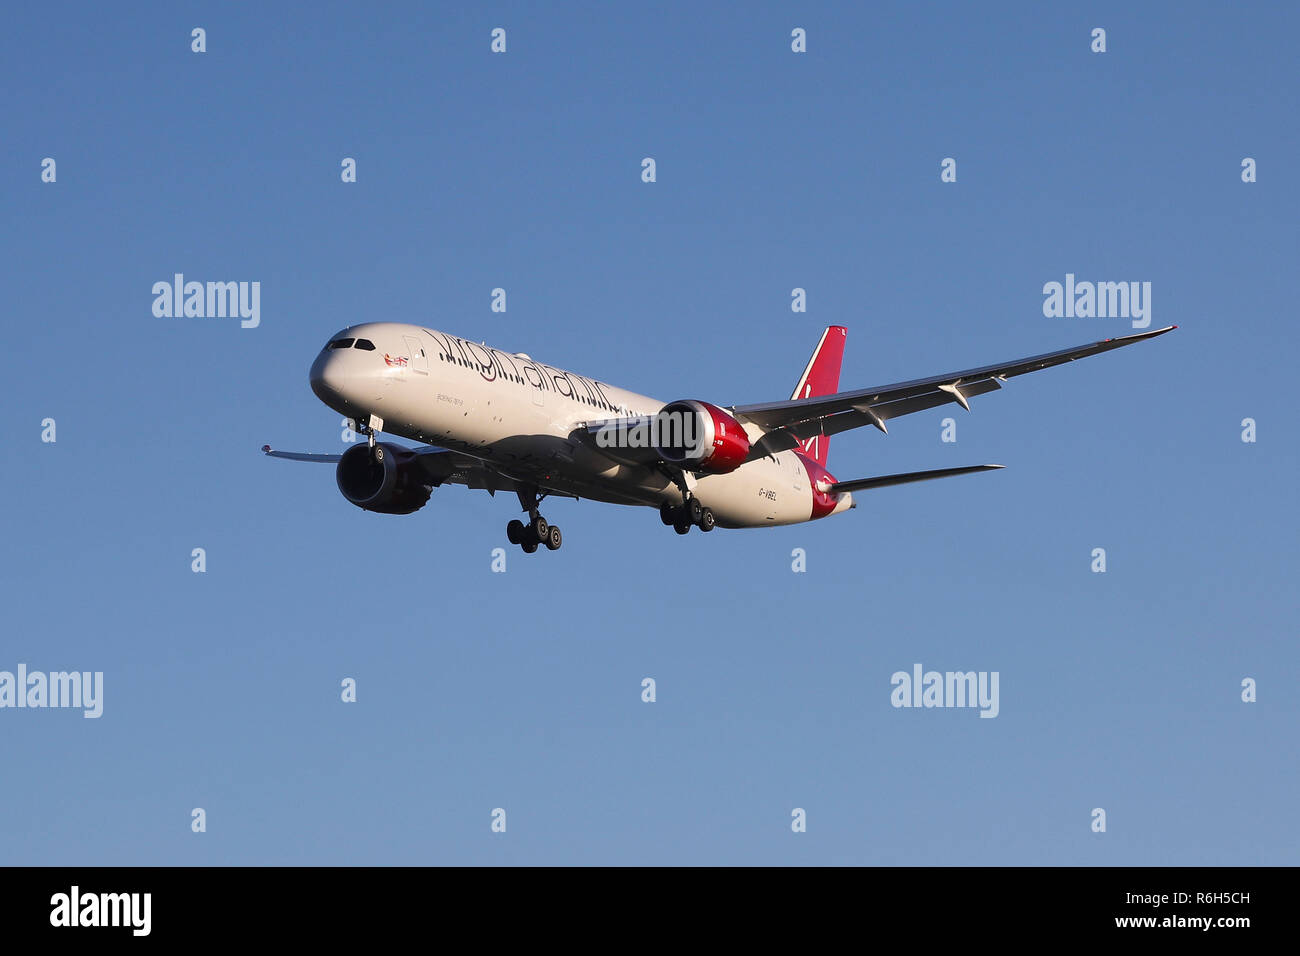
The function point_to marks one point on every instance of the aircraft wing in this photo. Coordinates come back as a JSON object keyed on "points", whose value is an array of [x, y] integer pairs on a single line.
{"points": [[790, 423], [589, 434], [439, 465], [299, 455], [442, 467], [445, 467]]}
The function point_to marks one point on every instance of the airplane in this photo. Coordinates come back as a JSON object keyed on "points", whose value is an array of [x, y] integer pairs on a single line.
{"points": [[501, 421]]}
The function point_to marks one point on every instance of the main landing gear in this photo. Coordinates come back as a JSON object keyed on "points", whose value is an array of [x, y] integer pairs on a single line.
{"points": [[689, 513], [537, 531]]}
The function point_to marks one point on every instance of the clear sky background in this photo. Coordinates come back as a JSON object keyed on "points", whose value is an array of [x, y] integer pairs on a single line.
{"points": [[522, 690]]}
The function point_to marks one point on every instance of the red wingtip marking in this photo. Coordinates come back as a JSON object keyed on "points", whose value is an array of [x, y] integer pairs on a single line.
{"points": [[266, 448]]}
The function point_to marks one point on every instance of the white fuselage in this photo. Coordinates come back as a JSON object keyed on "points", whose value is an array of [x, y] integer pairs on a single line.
{"points": [[521, 415]]}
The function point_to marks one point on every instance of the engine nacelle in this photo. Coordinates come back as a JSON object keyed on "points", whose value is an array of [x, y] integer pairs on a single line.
{"points": [[700, 437], [394, 485]]}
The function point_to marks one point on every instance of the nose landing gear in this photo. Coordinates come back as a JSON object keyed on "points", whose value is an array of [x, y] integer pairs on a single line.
{"points": [[371, 427]]}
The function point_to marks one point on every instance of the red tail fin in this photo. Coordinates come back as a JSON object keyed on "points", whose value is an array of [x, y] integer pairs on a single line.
{"points": [[822, 377]]}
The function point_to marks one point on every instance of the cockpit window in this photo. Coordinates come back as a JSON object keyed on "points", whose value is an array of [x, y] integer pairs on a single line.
{"points": [[366, 344], [341, 344]]}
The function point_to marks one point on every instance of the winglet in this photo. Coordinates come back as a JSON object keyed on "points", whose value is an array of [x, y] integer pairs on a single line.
{"points": [[1142, 335]]}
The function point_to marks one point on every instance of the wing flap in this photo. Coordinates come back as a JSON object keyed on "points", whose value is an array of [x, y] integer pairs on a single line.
{"points": [[792, 436]]}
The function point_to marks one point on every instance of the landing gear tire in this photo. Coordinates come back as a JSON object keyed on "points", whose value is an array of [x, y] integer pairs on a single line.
{"points": [[694, 510], [378, 454], [682, 527], [666, 513], [537, 530], [706, 521]]}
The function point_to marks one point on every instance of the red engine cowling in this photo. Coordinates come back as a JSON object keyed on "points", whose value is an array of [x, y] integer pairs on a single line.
{"points": [[700, 437], [394, 485]]}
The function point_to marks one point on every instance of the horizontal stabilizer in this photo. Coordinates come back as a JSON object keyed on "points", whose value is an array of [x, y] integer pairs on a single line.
{"points": [[865, 484]]}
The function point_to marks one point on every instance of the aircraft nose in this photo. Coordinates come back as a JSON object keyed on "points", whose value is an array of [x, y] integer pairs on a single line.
{"points": [[326, 376]]}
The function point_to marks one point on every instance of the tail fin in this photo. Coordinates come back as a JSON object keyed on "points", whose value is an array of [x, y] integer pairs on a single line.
{"points": [[821, 377]]}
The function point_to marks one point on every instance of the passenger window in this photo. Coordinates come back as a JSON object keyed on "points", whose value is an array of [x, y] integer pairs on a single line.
{"points": [[341, 344], [365, 344]]}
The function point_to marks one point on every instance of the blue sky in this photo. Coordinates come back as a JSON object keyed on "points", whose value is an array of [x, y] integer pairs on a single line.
{"points": [[522, 690]]}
